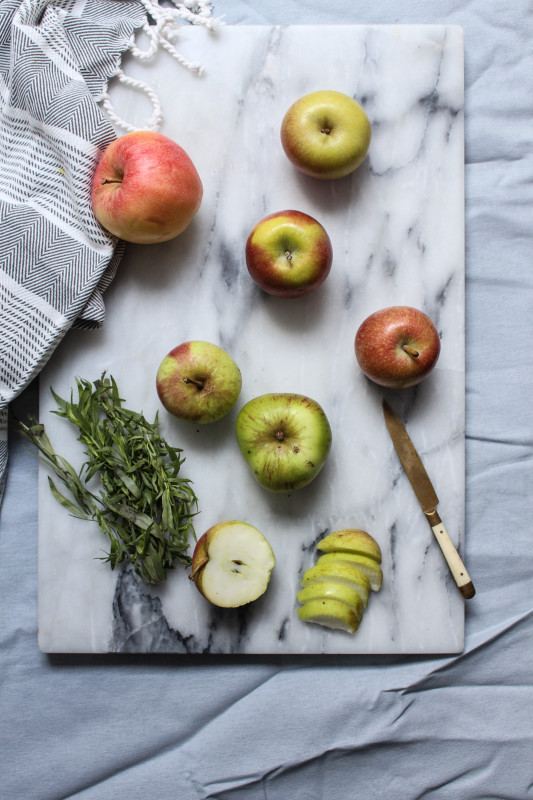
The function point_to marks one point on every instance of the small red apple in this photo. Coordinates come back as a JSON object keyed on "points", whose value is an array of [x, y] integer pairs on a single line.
{"points": [[397, 346], [198, 382], [288, 254], [145, 188]]}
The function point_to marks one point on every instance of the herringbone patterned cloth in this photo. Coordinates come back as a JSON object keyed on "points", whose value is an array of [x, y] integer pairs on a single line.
{"points": [[55, 260]]}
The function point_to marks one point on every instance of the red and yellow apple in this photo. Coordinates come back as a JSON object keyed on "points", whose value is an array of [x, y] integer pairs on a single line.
{"points": [[397, 346], [326, 134], [198, 382], [288, 254], [232, 563], [145, 188]]}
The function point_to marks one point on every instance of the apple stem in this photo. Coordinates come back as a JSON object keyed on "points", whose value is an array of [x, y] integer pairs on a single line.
{"points": [[288, 255], [280, 436], [199, 384], [108, 180], [325, 130], [410, 350]]}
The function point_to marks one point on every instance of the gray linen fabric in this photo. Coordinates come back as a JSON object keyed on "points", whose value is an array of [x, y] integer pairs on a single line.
{"points": [[310, 728]]}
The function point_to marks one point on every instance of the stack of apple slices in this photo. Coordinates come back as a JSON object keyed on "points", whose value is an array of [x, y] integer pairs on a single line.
{"points": [[336, 589]]}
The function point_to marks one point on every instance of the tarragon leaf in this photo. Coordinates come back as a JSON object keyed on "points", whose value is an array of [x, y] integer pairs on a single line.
{"points": [[145, 508]]}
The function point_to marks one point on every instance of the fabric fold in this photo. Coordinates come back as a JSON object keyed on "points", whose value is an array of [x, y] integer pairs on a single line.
{"points": [[55, 260]]}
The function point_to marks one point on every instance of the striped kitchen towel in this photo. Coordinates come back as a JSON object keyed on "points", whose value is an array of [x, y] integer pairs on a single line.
{"points": [[56, 57], [55, 260]]}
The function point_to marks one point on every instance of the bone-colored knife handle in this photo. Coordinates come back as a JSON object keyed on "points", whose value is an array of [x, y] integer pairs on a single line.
{"points": [[453, 559]]}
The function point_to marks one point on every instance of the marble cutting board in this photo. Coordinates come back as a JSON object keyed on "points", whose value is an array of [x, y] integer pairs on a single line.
{"points": [[397, 228]]}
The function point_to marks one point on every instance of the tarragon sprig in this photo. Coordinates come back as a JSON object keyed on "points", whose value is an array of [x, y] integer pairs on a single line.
{"points": [[142, 505]]}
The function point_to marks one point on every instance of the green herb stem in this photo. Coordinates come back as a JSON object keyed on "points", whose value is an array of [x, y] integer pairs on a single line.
{"points": [[143, 507]]}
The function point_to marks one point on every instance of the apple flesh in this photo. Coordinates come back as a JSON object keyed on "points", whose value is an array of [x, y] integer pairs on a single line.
{"points": [[284, 438], [145, 188], [198, 382], [232, 563], [288, 254], [326, 134], [397, 346]]}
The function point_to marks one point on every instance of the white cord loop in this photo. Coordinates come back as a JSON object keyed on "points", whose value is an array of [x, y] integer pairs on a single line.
{"points": [[161, 30]]}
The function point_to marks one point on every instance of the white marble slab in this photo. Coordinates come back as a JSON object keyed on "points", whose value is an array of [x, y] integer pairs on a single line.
{"points": [[397, 232]]}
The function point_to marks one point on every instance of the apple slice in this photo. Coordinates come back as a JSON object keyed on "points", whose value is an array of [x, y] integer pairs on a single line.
{"points": [[351, 540], [324, 590], [232, 563], [367, 565], [331, 613], [341, 573]]}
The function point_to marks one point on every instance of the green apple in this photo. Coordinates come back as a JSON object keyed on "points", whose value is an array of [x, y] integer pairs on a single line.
{"points": [[341, 573], [368, 566], [332, 614], [232, 563], [351, 540], [331, 590], [284, 438], [198, 382], [288, 254], [326, 134]]}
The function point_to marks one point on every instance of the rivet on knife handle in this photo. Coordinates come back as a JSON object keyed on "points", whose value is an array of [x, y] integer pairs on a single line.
{"points": [[427, 497], [453, 559]]}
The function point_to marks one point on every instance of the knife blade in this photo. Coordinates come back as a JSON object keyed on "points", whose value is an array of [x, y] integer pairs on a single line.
{"points": [[427, 497]]}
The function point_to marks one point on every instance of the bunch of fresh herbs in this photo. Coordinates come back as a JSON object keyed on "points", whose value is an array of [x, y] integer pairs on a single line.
{"points": [[142, 505]]}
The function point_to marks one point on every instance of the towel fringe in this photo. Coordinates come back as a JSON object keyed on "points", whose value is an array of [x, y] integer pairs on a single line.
{"points": [[161, 29]]}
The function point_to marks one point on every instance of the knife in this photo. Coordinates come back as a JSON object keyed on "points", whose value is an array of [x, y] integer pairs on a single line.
{"points": [[427, 497]]}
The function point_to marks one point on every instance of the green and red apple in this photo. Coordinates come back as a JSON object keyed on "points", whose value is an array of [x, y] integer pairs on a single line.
{"points": [[288, 253], [397, 347], [326, 134], [198, 382], [284, 438], [145, 188], [232, 563]]}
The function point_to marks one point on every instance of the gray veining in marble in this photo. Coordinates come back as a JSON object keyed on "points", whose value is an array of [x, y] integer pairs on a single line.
{"points": [[397, 228]]}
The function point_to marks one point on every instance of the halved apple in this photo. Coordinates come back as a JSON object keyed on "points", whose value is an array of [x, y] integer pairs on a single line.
{"points": [[332, 614], [351, 540], [340, 573], [364, 564], [232, 563]]}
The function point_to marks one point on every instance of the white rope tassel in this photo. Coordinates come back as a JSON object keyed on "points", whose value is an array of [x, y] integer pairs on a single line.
{"points": [[154, 123], [162, 33]]}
